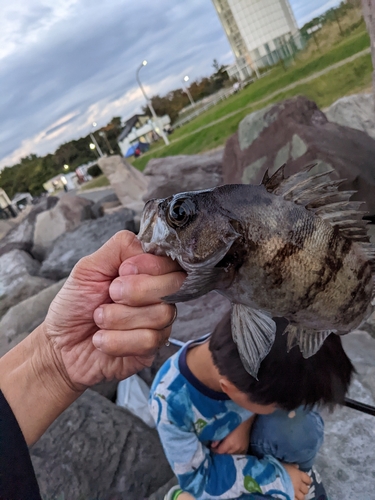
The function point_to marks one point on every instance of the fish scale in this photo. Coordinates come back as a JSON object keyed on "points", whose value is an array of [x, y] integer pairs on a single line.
{"points": [[295, 247]]}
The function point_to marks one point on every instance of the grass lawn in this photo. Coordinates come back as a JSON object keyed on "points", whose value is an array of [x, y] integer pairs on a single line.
{"points": [[100, 181], [350, 78]]}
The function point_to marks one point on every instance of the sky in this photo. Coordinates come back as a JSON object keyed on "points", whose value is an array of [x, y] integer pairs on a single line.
{"points": [[67, 63]]}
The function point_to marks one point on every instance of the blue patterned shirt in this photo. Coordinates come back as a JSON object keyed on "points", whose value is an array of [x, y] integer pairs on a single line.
{"points": [[189, 416]]}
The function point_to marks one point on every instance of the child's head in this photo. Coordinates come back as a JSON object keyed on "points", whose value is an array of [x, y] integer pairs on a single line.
{"points": [[286, 379]]}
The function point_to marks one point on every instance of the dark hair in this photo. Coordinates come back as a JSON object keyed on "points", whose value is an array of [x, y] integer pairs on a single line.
{"points": [[285, 378]]}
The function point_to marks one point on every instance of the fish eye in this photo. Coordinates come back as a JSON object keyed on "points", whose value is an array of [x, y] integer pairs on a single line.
{"points": [[180, 212]]}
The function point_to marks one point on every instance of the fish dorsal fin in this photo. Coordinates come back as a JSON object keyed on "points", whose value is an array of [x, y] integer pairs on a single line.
{"points": [[254, 333], [319, 194], [309, 341], [271, 183]]}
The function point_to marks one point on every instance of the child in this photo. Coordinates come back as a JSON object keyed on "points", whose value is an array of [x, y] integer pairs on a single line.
{"points": [[227, 435]]}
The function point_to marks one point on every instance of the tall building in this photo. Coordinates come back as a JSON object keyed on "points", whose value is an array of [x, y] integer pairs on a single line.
{"points": [[260, 32]]}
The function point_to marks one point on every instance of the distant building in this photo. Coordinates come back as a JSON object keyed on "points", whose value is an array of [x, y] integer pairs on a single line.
{"points": [[141, 128], [260, 32], [21, 200]]}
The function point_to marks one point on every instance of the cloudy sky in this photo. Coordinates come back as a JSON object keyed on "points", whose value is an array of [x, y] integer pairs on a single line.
{"points": [[67, 63]]}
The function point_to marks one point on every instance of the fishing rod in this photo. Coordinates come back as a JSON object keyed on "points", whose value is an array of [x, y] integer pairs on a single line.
{"points": [[362, 407]]}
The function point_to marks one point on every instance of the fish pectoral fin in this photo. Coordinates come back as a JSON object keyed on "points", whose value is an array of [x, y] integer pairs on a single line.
{"points": [[198, 283], [254, 333], [309, 341]]}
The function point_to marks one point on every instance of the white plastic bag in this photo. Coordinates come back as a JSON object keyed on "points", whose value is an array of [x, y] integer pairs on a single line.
{"points": [[132, 394]]}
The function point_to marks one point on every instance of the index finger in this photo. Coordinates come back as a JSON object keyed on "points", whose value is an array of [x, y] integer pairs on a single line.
{"points": [[306, 478], [148, 263]]}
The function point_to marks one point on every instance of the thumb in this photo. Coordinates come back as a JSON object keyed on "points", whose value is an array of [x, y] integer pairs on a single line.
{"points": [[105, 262]]}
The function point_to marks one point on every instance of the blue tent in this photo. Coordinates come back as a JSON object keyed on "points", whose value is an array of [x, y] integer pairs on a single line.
{"points": [[131, 150]]}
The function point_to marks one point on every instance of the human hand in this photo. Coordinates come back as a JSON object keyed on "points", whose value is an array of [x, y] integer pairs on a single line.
{"points": [[237, 442], [300, 480], [108, 320]]}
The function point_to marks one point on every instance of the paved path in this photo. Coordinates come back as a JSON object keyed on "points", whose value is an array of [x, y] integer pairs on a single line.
{"points": [[264, 100]]}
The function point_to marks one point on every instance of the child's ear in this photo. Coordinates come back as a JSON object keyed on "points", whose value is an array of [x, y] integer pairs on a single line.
{"points": [[225, 386]]}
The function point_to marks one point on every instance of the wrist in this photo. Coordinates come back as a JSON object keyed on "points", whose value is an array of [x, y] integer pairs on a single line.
{"points": [[33, 381]]}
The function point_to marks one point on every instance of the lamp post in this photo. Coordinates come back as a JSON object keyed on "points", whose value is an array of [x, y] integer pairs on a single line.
{"points": [[94, 148], [104, 135], [95, 142], [149, 104], [186, 79]]}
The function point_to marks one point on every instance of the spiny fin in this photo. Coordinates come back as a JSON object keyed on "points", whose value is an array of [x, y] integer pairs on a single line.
{"points": [[198, 283], [319, 194], [254, 333], [309, 341]]}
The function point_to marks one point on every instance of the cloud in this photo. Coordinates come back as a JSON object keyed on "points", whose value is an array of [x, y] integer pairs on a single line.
{"points": [[67, 63]]}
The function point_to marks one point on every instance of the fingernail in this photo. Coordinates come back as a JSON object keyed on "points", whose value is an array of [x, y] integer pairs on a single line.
{"points": [[98, 316], [97, 340], [115, 290], [128, 268]]}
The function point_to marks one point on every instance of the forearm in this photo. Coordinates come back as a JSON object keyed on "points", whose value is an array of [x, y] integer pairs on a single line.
{"points": [[34, 387]]}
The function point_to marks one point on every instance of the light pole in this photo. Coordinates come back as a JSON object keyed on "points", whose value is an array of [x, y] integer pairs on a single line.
{"points": [[149, 104], [95, 142], [104, 135], [186, 79]]}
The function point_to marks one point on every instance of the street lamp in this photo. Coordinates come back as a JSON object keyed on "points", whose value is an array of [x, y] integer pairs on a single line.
{"points": [[149, 104], [94, 124], [66, 167], [186, 79]]}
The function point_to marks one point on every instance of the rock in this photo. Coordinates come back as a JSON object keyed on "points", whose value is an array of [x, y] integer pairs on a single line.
{"points": [[21, 236], [65, 216], [347, 455], [96, 449], [297, 132], [175, 174], [128, 183], [17, 278], [22, 318], [97, 208], [194, 319], [84, 240], [354, 111]]}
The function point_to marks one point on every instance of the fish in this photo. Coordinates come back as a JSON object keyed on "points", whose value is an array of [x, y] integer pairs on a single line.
{"points": [[295, 247]]}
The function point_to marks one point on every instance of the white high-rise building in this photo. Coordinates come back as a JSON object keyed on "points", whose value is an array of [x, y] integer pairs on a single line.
{"points": [[260, 32]]}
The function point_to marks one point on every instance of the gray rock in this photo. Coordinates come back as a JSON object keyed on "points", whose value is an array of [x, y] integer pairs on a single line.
{"points": [[84, 240], [97, 208], [22, 318], [296, 131], [346, 458], [194, 319], [21, 236], [175, 174], [96, 449], [65, 216], [128, 183], [17, 278], [354, 111]]}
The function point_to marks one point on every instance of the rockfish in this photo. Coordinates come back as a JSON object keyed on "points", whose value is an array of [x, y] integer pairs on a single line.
{"points": [[291, 247]]}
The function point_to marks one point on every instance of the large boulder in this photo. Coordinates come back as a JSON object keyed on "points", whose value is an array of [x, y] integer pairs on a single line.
{"points": [[98, 450], [84, 240], [22, 318], [297, 132], [21, 236], [347, 455], [175, 174], [18, 278], [354, 111], [68, 214], [128, 183], [194, 319]]}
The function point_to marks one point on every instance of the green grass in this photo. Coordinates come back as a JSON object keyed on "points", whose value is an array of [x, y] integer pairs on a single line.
{"points": [[100, 181], [354, 76]]}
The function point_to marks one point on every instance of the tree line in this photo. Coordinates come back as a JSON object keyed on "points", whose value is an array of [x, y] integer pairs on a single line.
{"points": [[32, 171]]}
